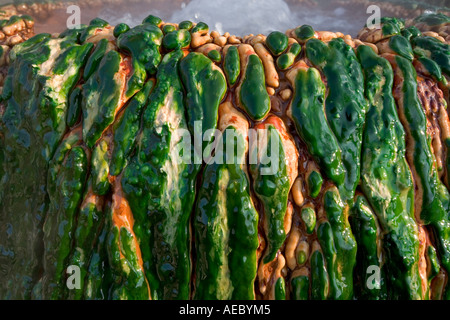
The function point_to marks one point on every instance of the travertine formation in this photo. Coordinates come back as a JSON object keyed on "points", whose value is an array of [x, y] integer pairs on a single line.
{"points": [[91, 124]]}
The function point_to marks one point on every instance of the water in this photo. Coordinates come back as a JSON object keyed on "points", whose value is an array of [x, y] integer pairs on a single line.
{"points": [[241, 17]]}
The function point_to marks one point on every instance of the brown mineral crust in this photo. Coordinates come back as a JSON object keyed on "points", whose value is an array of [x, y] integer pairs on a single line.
{"points": [[10, 35], [441, 31], [433, 103]]}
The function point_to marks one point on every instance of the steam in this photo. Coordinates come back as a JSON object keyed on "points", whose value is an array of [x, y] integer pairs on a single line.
{"points": [[241, 17]]}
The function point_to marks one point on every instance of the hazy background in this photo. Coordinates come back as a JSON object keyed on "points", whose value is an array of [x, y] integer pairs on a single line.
{"points": [[241, 17]]}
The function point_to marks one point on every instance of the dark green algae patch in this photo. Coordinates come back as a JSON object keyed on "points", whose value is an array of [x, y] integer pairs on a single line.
{"points": [[345, 106], [159, 190], [252, 93], [433, 210], [307, 110], [34, 123], [387, 181], [226, 226], [272, 191]]}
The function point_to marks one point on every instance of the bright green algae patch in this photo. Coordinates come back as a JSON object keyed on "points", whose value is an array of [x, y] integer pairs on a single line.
{"points": [[338, 246], [280, 289], [300, 288], [232, 65], [159, 188], [369, 260], [84, 32], [308, 113], [433, 210], [100, 167], [120, 28], [433, 49], [176, 39], [309, 219], [95, 58], [287, 59], [98, 279], [67, 175], [387, 180], [277, 42], [206, 86], [433, 207], [391, 26], [226, 228], [86, 236], [101, 98], [129, 282], [320, 283], [433, 69], [411, 32], [345, 105], [143, 43], [74, 111], [304, 32], [126, 128], [158, 183], [253, 95], [314, 182], [401, 46], [273, 190]]}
